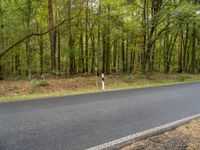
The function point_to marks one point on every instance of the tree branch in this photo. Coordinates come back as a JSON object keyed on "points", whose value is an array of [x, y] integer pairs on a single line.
{"points": [[29, 36], [36, 34]]}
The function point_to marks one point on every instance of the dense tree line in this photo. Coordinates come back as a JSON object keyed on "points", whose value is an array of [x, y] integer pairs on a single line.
{"points": [[94, 36]]}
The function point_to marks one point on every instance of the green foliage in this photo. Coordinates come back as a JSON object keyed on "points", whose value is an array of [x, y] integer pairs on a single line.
{"points": [[117, 35], [35, 84], [39, 83], [128, 78], [185, 12], [183, 78]]}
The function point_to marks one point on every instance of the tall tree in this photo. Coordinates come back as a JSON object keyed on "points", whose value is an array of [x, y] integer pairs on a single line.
{"points": [[52, 36]]}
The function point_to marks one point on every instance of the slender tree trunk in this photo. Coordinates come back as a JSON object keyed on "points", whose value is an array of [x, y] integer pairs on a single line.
{"points": [[132, 61], [193, 59], [59, 50], [12, 66], [127, 51], [123, 54], [82, 53], [104, 51], [165, 54], [1, 70], [1, 38], [99, 40], [185, 49], [153, 54], [144, 35], [86, 35], [28, 46], [71, 40], [169, 46], [93, 54], [41, 45], [108, 51], [17, 62], [52, 35], [172, 45], [180, 55], [115, 49]]}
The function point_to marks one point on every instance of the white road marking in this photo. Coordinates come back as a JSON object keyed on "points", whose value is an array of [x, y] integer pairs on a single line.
{"points": [[144, 134]]}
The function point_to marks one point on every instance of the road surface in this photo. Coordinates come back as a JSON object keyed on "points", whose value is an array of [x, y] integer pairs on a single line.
{"points": [[83, 121]]}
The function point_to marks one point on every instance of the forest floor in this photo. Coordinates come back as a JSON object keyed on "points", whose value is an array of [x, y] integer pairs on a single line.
{"points": [[15, 89], [186, 137]]}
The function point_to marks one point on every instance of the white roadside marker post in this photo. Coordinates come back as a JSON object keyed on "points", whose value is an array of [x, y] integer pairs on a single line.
{"points": [[103, 82]]}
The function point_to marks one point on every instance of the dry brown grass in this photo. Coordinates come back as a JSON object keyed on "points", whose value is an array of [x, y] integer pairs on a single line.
{"points": [[183, 138], [17, 88], [13, 88]]}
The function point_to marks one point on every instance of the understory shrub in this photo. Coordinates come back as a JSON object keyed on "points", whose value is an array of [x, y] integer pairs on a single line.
{"points": [[37, 83], [182, 78]]}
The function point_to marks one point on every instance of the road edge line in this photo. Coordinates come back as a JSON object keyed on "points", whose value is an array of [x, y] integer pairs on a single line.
{"points": [[119, 143]]}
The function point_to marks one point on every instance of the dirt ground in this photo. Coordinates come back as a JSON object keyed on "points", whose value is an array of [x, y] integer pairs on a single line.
{"points": [[16, 87], [183, 138]]}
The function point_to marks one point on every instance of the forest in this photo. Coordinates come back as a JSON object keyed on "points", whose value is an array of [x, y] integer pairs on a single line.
{"points": [[69, 37]]}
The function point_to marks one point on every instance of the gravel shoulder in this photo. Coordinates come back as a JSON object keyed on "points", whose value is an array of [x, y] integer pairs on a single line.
{"points": [[186, 137]]}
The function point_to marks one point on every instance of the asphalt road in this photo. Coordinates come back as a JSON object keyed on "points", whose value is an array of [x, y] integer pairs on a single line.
{"points": [[84, 121]]}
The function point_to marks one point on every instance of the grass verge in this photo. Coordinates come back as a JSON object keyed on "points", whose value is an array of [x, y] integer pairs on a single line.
{"points": [[14, 90]]}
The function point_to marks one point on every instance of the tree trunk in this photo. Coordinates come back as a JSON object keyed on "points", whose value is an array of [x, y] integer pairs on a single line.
{"points": [[132, 59], [144, 35], [2, 39], [86, 35], [193, 59], [59, 50], [70, 40], [123, 54], [104, 51], [17, 64], [180, 65], [41, 45], [185, 48], [108, 51], [115, 49], [127, 51], [93, 54], [1, 70], [82, 53], [98, 41], [52, 35], [28, 46]]}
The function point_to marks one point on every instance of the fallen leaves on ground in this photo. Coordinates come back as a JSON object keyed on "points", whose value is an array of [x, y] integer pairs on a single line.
{"points": [[183, 138], [11, 88]]}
